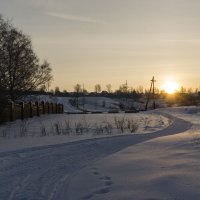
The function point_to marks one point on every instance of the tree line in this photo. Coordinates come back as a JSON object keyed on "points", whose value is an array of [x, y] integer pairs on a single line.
{"points": [[123, 88], [79, 90]]}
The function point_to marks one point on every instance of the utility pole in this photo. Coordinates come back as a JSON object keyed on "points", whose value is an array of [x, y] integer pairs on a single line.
{"points": [[83, 97], [152, 89], [126, 86], [153, 83]]}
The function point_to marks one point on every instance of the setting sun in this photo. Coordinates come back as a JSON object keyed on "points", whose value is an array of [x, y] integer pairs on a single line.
{"points": [[170, 87]]}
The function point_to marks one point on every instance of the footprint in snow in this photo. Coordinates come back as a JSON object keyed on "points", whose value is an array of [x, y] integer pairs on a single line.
{"points": [[105, 178], [89, 196], [96, 173], [108, 183], [94, 168], [103, 191]]}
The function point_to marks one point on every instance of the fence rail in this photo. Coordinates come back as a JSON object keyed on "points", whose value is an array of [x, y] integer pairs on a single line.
{"points": [[14, 111]]}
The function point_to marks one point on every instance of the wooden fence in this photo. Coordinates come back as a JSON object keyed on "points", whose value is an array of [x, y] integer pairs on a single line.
{"points": [[15, 111]]}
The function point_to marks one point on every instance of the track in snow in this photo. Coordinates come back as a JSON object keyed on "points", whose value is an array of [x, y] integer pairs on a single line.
{"points": [[41, 173]]}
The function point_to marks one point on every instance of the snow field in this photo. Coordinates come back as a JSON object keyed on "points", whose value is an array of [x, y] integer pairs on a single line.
{"points": [[48, 172], [62, 128], [162, 164], [163, 168]]}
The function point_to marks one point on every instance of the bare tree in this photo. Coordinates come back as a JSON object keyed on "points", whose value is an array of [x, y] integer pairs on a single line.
{"points": [[85, 91], [57, 90], [140, 89], [109, 88], [123, 88], [97, 88], [19, 66], [77, 88]]}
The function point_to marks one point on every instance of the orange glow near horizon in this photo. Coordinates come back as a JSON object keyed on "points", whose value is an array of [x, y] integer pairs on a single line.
{"points": [[170, 87]]}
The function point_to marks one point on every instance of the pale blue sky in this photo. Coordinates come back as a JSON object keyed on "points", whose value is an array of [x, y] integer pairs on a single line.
{"points": [[111, 41]]}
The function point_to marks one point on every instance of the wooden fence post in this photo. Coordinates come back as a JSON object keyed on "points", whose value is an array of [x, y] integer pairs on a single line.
{"points": [[30, 109], [47, 107], [11, 111], [48, 111], [62, 108], [56, 108], [43, 107], [38, 109], [22, 110], [51, 107]]}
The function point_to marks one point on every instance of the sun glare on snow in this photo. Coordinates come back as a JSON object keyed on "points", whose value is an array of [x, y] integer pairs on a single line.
{"points": [[170, 87]]}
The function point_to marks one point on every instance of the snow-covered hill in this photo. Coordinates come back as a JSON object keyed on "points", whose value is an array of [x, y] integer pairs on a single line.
{"points": [[91, 104], [95, 104]]}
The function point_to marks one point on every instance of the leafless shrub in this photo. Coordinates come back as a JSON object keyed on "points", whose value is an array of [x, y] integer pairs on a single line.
{"points": [[120, 123], [98, 129], [131, 125], [133, 128], [128, 123], [146, 122], [86, 125], [43, 130], [108, 128], [23, 128], [58, 128], [4, 133], [79, 128], [52, 128], [67, 128], [125, 124]]}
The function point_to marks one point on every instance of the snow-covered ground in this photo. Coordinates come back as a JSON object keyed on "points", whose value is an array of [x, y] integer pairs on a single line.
{"points": [[162, 164], [63, 128]]}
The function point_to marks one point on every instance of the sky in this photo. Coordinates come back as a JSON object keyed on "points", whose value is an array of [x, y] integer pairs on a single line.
{"points": [[110, 41]]}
